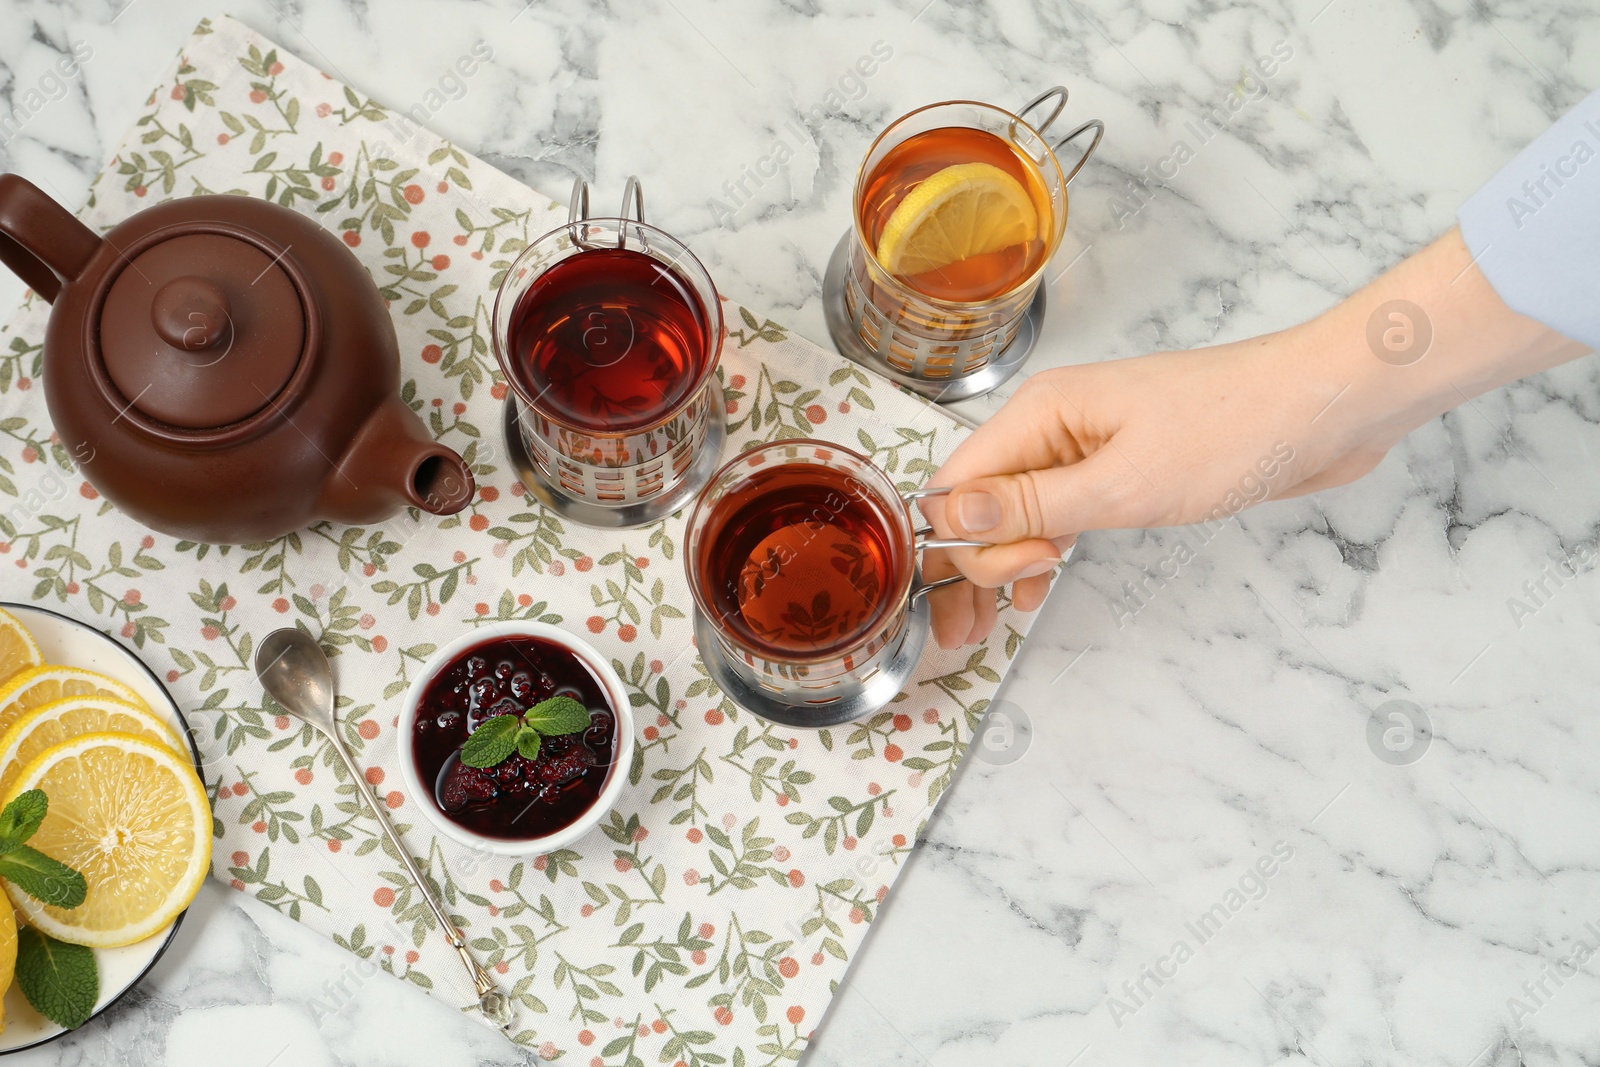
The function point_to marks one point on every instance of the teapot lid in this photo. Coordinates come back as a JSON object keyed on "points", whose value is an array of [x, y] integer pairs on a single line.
{"points": [[202, 330]]}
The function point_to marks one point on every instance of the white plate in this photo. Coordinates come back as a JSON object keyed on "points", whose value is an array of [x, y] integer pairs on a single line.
{"points": [[65, 640]]}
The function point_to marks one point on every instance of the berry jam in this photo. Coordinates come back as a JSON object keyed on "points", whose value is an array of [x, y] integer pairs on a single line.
{"points": [[518, 798]]}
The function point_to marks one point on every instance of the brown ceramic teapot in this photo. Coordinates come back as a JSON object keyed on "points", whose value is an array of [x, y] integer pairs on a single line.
{"points": [[223, 368]]}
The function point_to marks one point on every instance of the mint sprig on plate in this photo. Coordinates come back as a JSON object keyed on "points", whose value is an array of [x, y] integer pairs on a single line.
{"points": [[47, 880], [494, 741], [61, 981]]}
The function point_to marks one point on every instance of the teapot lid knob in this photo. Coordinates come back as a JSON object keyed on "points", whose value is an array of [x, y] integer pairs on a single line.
{"points": [[191, 314]]}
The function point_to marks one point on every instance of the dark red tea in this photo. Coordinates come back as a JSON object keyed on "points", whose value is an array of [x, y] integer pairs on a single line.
{"points": [[608, 340], [798, 561], [519, 798]]}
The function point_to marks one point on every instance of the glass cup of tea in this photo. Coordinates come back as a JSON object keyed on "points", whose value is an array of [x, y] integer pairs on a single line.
{"points": [[958, 207], [810, 609], [608, 332]]}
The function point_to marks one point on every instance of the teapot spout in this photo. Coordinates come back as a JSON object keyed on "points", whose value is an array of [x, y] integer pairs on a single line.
{"points": [[393, 463]]}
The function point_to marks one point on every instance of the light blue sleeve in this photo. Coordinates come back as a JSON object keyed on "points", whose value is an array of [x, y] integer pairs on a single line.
{"points": [[1534, 229]]}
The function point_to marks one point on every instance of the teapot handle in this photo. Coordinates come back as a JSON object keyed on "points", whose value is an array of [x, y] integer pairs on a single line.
{"points": [[39, 239]]}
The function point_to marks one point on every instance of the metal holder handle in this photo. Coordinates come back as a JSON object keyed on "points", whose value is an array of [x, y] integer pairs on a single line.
{"points": [[578, 206], [578, 210], [633, 191], [1059, 94], [922, 541]]}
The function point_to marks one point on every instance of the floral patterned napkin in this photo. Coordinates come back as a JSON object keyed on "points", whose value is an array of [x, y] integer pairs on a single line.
{"points": [[711, 917]]}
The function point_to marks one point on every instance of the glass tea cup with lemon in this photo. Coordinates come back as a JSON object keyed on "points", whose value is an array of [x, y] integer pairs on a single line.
{"points": [[958, 207]]}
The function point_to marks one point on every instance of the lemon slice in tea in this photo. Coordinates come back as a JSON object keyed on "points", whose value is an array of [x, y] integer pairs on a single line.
{"points": [[954, 214]]}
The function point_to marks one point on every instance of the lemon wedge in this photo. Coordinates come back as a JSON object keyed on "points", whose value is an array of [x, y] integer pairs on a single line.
{"points": [[131, 816], [18, 651], [8, 955], [61, 720], [37, 686], [962, 211]]}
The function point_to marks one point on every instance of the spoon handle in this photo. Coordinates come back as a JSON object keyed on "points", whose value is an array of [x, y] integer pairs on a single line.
{"points": [[480, 977]]}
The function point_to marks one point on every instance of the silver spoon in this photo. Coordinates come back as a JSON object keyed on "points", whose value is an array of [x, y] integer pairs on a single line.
{"points": [[294, 671]]}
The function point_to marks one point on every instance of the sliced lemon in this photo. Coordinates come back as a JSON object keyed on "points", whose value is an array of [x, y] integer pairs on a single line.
{"points": [[18, 650], [131, 816], [38, 686], [62, 720], [8, 955], [954, 214]]}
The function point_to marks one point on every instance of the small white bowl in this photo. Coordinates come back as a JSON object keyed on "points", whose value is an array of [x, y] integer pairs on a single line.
{"points": [[422, 793]]}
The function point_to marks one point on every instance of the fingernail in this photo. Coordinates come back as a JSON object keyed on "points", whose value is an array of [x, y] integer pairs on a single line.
{"points": [[978, 511], [1033, 570]]}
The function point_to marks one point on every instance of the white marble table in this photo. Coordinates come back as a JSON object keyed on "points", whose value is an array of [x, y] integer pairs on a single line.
{"points": [[1172, 747]]}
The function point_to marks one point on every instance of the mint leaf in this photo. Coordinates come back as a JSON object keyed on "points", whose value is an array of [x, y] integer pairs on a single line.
{"points": [[556, 716], [492, 742], [41, 877], [21, 818], [60, 980], [528, 743]]}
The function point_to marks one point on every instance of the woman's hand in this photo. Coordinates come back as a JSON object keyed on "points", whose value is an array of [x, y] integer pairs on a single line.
{"points": [[1161, 440], [1183, 437]]}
